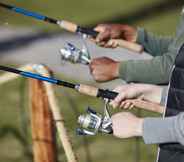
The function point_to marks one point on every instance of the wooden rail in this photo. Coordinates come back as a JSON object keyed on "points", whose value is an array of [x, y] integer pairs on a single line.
{"points": [[43, 130]]}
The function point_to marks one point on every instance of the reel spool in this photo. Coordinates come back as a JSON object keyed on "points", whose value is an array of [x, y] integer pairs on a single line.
{"points": [[92, 123], [75, 55]]}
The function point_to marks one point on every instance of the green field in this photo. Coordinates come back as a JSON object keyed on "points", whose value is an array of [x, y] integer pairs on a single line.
{"points": [[15, 140]]}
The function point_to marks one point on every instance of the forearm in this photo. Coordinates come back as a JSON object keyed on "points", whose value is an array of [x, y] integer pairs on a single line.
{"points": [[156, 94], [154, 45], [154, 71], [153, 93], [167, 130]]}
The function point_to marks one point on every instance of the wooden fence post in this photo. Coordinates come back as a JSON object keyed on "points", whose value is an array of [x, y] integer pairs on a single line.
{"points": [[43, 136]]}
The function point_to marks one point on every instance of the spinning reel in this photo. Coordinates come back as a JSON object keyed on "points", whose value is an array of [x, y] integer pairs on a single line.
{"points": [[75, 55], [92, 122]]}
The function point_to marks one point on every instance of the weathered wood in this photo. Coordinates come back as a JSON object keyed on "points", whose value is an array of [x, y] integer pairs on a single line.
{"points": [[44, 147], [60, 125], [58, 117]]}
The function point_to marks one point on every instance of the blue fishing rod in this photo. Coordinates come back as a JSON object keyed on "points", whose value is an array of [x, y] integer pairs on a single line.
{"points": [[69, 26], [84, 89]]}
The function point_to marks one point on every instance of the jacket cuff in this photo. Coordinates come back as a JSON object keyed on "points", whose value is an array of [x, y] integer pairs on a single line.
{"points": [[140, 35], [159, 130], [123, 70]]}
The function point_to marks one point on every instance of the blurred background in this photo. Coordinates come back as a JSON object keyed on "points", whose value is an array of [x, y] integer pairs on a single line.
{"points": [[25, 40]]}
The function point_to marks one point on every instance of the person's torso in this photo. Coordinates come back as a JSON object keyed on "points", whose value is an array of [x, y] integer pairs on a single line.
{"points": [[174, 152]]}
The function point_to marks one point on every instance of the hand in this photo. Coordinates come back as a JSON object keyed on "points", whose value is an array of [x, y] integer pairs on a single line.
{"points": [[114, 31], [126, 125], [134, 91], [104, 69]]}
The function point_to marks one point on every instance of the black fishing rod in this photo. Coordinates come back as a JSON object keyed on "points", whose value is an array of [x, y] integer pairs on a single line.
{"points": [[84, 89], [72, 27]]}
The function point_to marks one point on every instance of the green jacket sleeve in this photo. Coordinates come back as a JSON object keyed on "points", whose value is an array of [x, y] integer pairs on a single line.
{"points": [[155, 71], [158, 69], [154, 45]]}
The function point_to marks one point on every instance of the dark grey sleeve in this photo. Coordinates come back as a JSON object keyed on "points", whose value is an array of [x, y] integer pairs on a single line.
{"points": [[167, 130]]}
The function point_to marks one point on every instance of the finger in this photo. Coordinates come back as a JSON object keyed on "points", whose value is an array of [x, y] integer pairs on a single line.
{"points": [[132, 106], [127, 105], [108, 46], [101, 43], [122, 105], [120, 98], [117, 101], [103, 36], [111, 44], [115, 45]]}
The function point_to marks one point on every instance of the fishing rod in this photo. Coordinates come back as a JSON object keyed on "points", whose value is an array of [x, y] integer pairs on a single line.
{"points": [[84, 89], [71, 27], [91, 122]]}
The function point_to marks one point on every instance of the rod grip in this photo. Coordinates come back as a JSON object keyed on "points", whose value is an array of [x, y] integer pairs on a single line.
{"points": [[69, 26], [88, 90], [95, 92]]}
